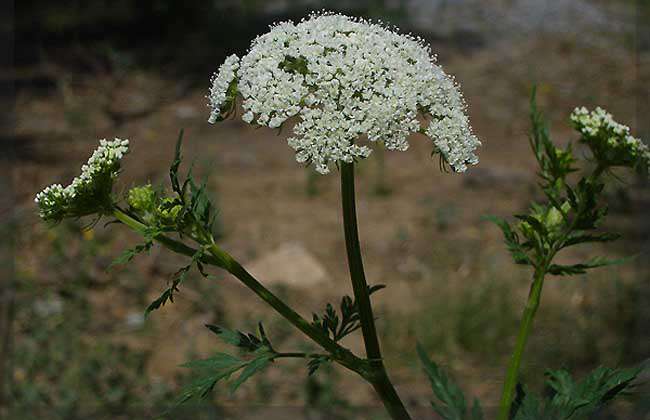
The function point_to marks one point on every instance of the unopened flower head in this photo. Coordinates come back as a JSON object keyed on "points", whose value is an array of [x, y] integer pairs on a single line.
{"points": [[610, 141], [345, 79], [88, 193]]}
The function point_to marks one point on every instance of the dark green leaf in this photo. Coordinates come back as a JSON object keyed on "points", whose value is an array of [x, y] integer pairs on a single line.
{"points": [[450, 404], [580, 237], [375, 288], [569, 270], [156, 304], [315, 362], [176, 163], [577, 400], [130, 253], [248, 342], [519, 255], [255, 366]]}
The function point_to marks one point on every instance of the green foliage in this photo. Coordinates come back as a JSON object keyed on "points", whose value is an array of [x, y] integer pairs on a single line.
{"points": [[449, 400], [335, 327], [128, 255], [576, 400], [258, 354], [315, 362], [246, 341], [570, 215], [187, 212], [328, 400], [568, 270], [178, 278]]}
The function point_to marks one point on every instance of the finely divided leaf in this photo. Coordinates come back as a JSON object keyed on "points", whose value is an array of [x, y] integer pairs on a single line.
{"points": [[246, 341], [581, 268], [254, 366], [450, 404], [130, 253], [176, 163], [156, 304], [577, 400], [315, 362], [519, 254]]}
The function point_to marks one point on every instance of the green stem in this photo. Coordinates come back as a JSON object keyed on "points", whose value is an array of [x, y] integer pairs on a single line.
{"points": [[223, 260], [298, 355], [378, 378], [512, 374]]}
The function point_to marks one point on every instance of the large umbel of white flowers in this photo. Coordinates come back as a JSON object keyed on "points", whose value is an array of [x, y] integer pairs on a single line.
{"points": [[345, 79]]}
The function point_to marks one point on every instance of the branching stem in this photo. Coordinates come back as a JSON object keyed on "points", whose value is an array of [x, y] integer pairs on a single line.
{"points": [[222, 259]]}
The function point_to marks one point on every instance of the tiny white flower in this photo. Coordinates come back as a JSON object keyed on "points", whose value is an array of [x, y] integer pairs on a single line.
{"points": [[247, 117]]}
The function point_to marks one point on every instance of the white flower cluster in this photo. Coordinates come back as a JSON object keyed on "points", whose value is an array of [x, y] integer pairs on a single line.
{"points": [[609, 138], [221, 82], [346, 78], [89, 191]]}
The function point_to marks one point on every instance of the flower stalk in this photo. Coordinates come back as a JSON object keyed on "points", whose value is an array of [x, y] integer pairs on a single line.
{"points": [[379, 378], [534, 297]]}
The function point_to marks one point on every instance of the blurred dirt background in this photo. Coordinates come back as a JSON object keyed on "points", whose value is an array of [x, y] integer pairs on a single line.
{"points": [[74, 340]]}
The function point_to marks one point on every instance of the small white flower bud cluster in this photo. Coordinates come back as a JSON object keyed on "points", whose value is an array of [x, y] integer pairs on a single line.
{"points": [[87, 192], [346, 78], [609, 138]]}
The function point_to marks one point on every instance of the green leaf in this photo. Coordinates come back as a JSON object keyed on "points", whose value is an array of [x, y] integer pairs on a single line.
{"points": [[128, 255], [554, 163], [577, 400], [255, 366], [519, 254], [339, 327], [156, 304], [246, 341], [580, 237], [581, 268], [208, 373], [531, 408], [176, 163], [178, 278], [450, 404], [315, 362], [218, 368], [375, 288]]}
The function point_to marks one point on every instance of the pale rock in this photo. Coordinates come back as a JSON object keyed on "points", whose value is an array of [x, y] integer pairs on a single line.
{"points": [[291, 264]]}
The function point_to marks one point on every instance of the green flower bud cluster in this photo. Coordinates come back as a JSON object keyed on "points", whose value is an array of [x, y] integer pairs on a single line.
{"points": [[169, 211], [148, 204]]}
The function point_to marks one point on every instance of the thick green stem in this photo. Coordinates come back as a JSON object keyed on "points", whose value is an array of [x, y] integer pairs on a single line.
{"points": [[512, 374], [378, 378], [223, 260]]}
